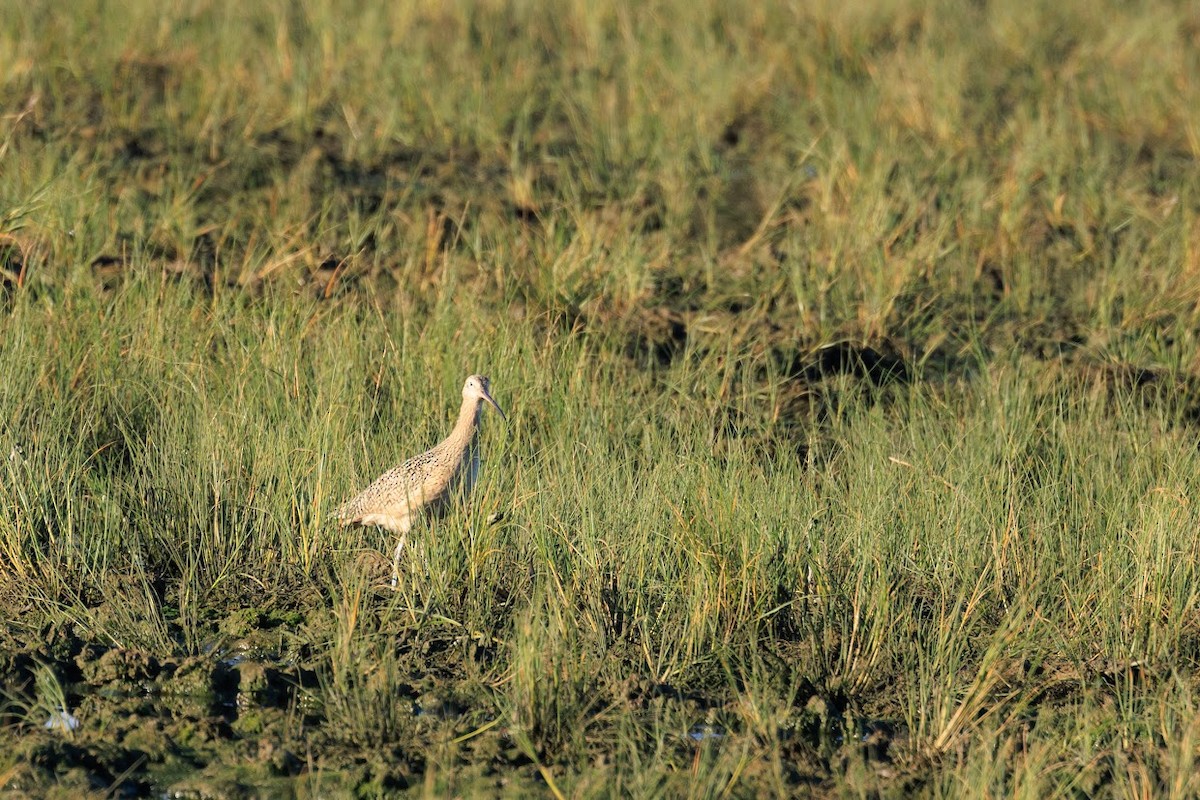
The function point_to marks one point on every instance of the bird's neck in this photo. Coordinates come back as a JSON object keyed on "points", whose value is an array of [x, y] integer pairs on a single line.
{"points": [[467, 425]]}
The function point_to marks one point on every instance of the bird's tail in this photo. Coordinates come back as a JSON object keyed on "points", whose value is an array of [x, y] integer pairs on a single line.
{"points": [[346, 513]]}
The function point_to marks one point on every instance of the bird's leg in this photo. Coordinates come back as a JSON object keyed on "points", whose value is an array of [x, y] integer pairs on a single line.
{"points": [[396, 560]]}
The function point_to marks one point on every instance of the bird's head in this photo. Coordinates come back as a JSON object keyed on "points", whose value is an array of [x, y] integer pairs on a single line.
{"points": [[476, 388]]}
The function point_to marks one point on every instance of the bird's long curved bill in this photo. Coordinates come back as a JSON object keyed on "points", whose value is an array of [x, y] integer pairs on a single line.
{"points": [[487, 396]]}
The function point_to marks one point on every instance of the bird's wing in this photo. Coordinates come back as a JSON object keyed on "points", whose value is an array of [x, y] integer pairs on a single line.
{"points": [[398, 484]]}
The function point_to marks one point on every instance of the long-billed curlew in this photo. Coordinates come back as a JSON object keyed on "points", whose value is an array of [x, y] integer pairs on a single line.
{"points": [[426, 483]]}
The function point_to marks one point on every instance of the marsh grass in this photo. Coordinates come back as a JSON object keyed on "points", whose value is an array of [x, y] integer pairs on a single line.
{"points": [[849, 351]]}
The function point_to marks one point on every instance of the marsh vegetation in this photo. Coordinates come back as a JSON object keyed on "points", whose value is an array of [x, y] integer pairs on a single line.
{"points": [[850, 353]]}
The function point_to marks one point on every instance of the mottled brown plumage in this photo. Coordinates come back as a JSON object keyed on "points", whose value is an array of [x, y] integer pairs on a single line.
{"points": [[425, 484]]}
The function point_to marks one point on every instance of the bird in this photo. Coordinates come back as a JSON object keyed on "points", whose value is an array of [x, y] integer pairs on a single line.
{"points": [[425, 484]]}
